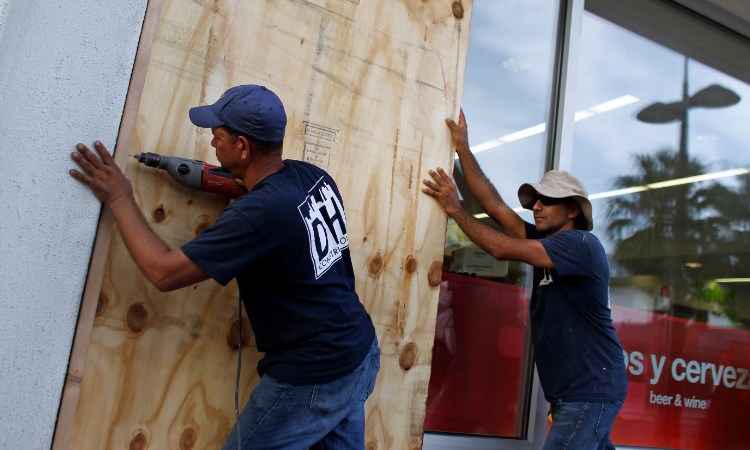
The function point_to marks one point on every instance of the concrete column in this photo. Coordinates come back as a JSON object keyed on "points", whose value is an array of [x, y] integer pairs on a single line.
{"points": [[64, 73]]}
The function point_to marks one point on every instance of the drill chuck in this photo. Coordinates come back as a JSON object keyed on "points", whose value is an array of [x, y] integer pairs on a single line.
{"points": [[149, 159]]}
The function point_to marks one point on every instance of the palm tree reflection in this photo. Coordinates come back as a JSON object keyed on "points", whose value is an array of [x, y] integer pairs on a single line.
{"points": [[685, 249]]}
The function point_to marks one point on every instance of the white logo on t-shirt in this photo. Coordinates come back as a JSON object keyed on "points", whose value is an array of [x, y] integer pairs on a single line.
{"points": [[323, 216], [547, 279]]}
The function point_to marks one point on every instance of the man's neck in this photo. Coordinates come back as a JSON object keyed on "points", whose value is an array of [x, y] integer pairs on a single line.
{"points": [[261, 169], [570, 225]]}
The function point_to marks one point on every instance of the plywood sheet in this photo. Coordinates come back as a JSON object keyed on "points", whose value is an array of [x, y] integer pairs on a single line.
{"points": [[366, 85]]}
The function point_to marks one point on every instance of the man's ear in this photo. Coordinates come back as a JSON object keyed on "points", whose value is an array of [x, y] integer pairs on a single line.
{"points": [[245, 147]]}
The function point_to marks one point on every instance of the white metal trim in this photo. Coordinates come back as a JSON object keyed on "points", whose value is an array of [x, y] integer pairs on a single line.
{"points": [[563, 115]]}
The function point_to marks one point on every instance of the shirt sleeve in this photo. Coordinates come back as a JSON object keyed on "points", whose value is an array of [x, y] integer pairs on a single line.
{"points": [[569, 253], [229, 246]]}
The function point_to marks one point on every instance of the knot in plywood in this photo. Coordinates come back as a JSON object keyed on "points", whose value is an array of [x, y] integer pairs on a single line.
{"points": [[435, 276], [138, 442], [408, 356], [188, 439], [137, 317], [159, 214], [375, 266], [411, 264], [233, 338], [458, 10], [102, 304]]}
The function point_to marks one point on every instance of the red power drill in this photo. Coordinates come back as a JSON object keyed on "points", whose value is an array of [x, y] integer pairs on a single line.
{"points": [[195, 174]]}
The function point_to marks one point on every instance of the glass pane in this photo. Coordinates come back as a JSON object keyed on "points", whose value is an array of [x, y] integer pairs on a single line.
{"points": [[667, 160], [480, 368]]}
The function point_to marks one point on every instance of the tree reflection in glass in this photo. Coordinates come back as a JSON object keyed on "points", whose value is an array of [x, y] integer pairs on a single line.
{"points": [[687, 250]]}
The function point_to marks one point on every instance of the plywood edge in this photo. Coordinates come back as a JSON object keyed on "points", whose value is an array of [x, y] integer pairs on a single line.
{"points": [[62, 436]]}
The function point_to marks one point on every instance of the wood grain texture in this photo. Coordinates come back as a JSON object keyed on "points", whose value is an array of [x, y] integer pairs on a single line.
{"points": [[367, 85]]}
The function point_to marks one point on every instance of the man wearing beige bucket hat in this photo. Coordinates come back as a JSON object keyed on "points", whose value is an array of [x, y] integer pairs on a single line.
{"points": [[576, 349]]}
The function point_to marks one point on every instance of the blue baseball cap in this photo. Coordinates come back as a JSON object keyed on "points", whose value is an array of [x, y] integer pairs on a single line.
{"points": [[250, 109]]}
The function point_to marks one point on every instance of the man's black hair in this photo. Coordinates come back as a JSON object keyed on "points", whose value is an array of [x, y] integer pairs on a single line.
{"points": [[579, 222], [264, 147]]}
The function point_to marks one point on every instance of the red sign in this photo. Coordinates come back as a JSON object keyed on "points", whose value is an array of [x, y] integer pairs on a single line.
{"points": [[689, 385], [477, 384]]}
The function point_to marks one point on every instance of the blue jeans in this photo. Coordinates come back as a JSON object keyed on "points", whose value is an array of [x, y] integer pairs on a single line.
{"points": [[581, 425], [328, 416]]}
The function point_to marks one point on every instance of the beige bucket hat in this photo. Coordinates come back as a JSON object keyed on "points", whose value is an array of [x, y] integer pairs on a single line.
{"points": [[557, 184]]}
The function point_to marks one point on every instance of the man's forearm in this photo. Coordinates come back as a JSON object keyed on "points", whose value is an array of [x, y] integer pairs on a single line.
{"points": [[499, 244], [146, 248], [487, 238]]}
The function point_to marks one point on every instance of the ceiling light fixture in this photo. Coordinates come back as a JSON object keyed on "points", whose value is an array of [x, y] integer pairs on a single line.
{"points": [[671, 183], [732, 280], [607, 106]]}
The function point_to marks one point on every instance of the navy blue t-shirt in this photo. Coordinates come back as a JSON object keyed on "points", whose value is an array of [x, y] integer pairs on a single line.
{"points": [[286, 244], [576, 349]]}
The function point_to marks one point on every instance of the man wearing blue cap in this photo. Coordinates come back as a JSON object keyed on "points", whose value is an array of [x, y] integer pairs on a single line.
{"points": [[286, 243]]}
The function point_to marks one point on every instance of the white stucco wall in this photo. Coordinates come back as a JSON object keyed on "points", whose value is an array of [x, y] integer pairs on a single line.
{"points": [[64, 73], [3, 14]]}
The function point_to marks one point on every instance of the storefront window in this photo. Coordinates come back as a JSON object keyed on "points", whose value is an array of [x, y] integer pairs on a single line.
{"points": [[480, 379], [668, 168]]}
